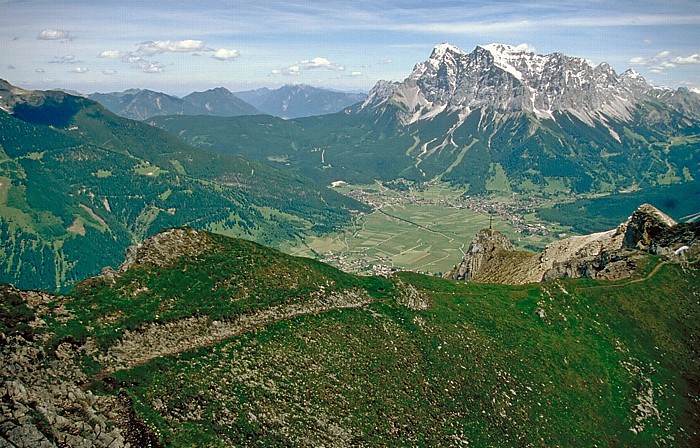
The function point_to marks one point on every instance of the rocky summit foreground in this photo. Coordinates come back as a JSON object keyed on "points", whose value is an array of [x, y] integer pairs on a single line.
{"points": [[204, 340], [610, 255]]}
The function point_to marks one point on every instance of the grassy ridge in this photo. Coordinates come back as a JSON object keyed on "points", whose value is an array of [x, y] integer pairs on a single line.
{"points": [[557, 364]]}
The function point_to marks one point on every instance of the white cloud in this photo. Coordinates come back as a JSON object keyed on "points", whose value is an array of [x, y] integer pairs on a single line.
{"points": [[80, 70], [320, 63], [136, 61], [155, 67], [664, 60], [386, 61], [114, 54], [224, 54], [309, 64], [355, 74], [51, 34], [163, 46], [40, 70], [109, 72], [526, 48], [692, 59], [65, 59]]}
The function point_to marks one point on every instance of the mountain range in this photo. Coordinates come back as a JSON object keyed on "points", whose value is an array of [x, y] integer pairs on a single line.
{"points": [[137, 104], [179, 330], [78, 185], [299, 100], [498, 118], [289, 101]]}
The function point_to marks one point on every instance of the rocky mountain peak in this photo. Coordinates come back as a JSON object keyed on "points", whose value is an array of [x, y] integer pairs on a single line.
{"points": [[510, 79], [165, 247], [645, 225], [607, 255], [484, 249]]}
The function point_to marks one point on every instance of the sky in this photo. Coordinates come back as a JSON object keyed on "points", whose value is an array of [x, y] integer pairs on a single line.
{"points": [[179, 47]]}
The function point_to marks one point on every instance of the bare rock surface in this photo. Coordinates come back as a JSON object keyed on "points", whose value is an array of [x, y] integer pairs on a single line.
{"points": [[41, 401], [166, 247], [609, 255], [156, 340]]}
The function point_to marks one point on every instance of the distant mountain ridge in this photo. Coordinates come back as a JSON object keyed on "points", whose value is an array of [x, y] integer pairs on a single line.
{"points": [[137, 104], [289, 101], [300, 100], [496, 119]]}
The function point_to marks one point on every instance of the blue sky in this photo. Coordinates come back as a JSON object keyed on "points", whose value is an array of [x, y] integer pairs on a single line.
{"points": [[182, 46]]}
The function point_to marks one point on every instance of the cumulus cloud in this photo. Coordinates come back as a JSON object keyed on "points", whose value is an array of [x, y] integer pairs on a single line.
{"points": [[114, 54], [40, 70], [51, 34], [141, 58], [526, 48], [692, 59], [80, 70], [355, 74], [155, 67], [164, 46], [319, 63], [664, 60], [134, 60], [109, 72], [224, 54], [65, 59], [309, 64]]}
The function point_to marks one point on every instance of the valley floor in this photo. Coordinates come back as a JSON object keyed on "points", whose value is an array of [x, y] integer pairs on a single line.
{"points": [[423, 230]]}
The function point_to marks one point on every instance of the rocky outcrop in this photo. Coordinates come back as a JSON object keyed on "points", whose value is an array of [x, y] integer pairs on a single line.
{"points": [[610, 255], [645, 225], [165, 247], [156, 340], [483, 250], [41, 401]]}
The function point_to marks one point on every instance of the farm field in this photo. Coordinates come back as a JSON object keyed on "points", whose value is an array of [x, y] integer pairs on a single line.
{"points": [[419, 230]]}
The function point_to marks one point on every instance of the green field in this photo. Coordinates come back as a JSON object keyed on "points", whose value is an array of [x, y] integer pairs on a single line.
{"points": [[425, 231]]}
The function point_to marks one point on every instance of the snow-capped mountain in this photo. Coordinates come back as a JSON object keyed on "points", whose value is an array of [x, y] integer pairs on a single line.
{"points": [[508, 79]]}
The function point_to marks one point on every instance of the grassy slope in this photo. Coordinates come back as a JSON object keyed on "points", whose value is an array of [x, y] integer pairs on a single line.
{"points": [[78, 185], [485, 151], [480, 365]]}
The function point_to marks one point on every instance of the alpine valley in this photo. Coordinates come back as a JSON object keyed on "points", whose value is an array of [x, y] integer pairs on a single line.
{"points": [[538, 122], [78, 185], [141, 304]]}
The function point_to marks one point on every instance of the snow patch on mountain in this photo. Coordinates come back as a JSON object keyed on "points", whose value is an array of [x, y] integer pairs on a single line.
{"points": [[510, 79]]}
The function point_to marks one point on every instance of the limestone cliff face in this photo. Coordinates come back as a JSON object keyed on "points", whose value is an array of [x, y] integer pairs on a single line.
{"points": [[607, 255], [645, 225], [483, 250]]}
